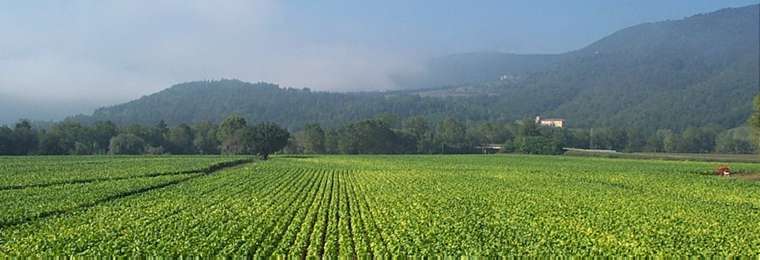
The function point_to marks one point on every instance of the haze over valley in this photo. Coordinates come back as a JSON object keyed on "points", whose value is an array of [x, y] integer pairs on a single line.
{"points": [[83, 55]]}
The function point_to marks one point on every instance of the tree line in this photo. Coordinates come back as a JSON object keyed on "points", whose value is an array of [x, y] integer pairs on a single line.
{"points": [[387, 134], [232, 136], [384, 134]]}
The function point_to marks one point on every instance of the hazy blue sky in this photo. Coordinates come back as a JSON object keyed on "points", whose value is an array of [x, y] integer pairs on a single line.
{"points": [[101, 52]]}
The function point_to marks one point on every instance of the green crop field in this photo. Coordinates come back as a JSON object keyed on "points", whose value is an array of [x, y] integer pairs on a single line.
{"points": [[375, 205]]}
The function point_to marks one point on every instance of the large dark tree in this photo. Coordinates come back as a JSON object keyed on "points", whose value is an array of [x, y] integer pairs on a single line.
{"points": [[268, 138]]}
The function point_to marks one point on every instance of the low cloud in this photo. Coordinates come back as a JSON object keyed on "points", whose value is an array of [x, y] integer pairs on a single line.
{"points": [[114, 51]]}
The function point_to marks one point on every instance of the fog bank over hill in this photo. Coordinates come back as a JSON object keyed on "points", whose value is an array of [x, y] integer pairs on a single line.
{"points": [[14, 108]]}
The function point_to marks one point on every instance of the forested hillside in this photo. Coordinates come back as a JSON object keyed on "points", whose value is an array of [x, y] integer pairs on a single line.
{"points": [[467, 68], [213, 100], [674, 74], [698, 71]]}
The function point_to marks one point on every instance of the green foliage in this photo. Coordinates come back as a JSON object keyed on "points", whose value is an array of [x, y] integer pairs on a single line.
{"points": [[419, 128], [68, 137], [415, 135], [151, 135], [737, 141], [331, 141], [6, 140], [126, 144], [238, 142], [313, 139], [234, 135], [24, 138], [388, 119], [102, 133], [372, 137], [754, 120], [205, 140], [268, 138], [180, 140], [537, 145], [452, 132], [534, 139], [349, 206], [230, 126], [494, 133]]}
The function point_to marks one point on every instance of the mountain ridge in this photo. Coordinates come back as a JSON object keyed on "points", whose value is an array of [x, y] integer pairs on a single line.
{"points": [[670, 74]]}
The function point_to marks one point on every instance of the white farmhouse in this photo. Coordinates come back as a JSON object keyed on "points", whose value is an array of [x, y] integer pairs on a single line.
{"points": [[553, 122]]}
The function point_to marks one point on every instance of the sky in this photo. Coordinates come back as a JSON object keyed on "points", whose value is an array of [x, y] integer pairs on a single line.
{"points": [[82, 54]]}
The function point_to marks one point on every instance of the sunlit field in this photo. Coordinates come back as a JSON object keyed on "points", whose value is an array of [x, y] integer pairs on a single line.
{"points": [[374, 205]]}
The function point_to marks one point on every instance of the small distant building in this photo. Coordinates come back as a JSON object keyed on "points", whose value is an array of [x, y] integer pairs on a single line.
{"points": [[553, 122]]}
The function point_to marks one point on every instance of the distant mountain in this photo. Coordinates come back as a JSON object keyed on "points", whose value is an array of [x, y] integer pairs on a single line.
{"points": [[697, 32], [700, 70], [705, 67], [213, 100], [673, 74]]}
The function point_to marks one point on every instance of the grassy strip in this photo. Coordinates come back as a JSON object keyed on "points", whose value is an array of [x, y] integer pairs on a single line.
{"points": [[745, 158], [209, 169]]}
